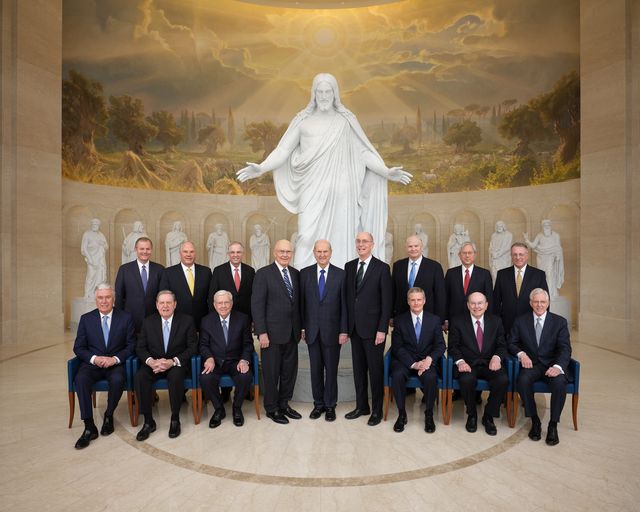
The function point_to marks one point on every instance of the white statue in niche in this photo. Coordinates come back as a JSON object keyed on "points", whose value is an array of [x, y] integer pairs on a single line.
{"points": [[260, 247], [549, 256], [172, 243], [424, 238], [94, 250], [129, 242], [456, 240], [500, 249], [326, 170], [388, 247], [218, 246]]}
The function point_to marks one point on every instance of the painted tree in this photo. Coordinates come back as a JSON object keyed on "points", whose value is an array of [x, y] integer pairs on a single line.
{"points": [[525, 124], [463, 135], [404, 136], [419, 126], [508, 104], [128, 123], [264, 135], [231, 128], [169, 134], [212, 136]]}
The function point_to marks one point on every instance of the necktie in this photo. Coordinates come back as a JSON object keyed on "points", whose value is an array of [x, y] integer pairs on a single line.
{"points": [[143, 276], [479, 335], [105, 330], [321, 283], [287, 282], [190, 280], [466, 281], [412, 274], [236, 278], [165, 335], [360, 274], [538, 330], [225, 331], [418, 329], [518, 283]]}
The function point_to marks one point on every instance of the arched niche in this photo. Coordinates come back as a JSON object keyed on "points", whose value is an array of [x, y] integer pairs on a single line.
{"points": [[516, 223], [208, 227], [429, 226], [123, 225], [268, 227], [165, 224], [471, 223]]}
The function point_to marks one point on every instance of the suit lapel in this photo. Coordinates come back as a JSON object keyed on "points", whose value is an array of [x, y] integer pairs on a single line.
{"points": [[370, 268], [471, 332]]}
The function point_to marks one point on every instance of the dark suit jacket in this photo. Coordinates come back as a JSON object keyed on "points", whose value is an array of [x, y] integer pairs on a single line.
{"points": [[506, 304], [212, 342], [555, 345], [272, 310], [406, 348], [368, 307], [430, 278], [90, 340], [193, 305], [480, 281], [326, 316], [131, 297], [222, 279], [183, 342], [463, 343]]}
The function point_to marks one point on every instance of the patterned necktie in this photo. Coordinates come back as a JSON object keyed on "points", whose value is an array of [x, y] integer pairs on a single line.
{"points": [[518, 282], [412, 274], [225, 331], [538, 330], [321, 283], [105, 330], [360, 274], [165, 335], [418, 327], [143, 276], [466, 281], [479, 335], [190, 280], [287, 282], [236, 278]]}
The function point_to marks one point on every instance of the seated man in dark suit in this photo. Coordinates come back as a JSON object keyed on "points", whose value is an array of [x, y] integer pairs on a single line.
{"points": [[106, 337], [165, 346], [478, 348], [541, 342], [226, 346], [417, 345]]}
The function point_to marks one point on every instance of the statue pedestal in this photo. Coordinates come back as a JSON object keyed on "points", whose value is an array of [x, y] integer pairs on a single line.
{"points": [[562, 306], [79, 307]]}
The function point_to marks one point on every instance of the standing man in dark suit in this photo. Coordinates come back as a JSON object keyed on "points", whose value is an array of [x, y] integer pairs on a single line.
{"points": [[165, 346], [106, 337], [478, 347], [324, 322], [189, 282], [369, 303], [235, 277], [541, 342], [418, 271], [513, 286], [417, 345], [226, 346], [137, 283], [275, 306]]}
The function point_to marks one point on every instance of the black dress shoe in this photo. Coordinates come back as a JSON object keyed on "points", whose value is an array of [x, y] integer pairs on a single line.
{"points": [[291, 413], [174, 429], [356, 413], [330, 415], [552, 435], [238, 417], [489, 425], [398, 426], [472, 423], [146, 429], [217, 417], [429, 425], [107, 426], [88, 435], [535, 434], [316, 412], [278, 417], [374, 419]]}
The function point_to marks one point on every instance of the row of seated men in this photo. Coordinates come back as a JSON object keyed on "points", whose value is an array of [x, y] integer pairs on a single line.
{"points": [[325, 306]]}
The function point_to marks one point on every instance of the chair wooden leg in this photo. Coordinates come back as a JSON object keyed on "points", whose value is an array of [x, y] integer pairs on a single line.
{"points": [[134, 409], [574, 410], [514, 413], [130, 407], [443, 404], [72, 407], [386, 402], [256, 399], [194, 405], [93, 397], [509, 406], [449, 406]]}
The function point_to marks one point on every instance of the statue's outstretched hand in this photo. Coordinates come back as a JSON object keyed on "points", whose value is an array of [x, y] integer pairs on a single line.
{"points": [[249, 172], [399, 175]]}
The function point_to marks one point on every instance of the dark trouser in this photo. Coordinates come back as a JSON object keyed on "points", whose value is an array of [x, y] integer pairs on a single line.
{"points": [[241, 381], [368, 357], [87, 376], [143, 383], [279, 372], [558, 390], [498, 383], [428, 380], [324, 359]]}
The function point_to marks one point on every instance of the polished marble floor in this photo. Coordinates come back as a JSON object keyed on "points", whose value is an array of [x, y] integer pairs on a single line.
{"points": [[314, 465]]}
